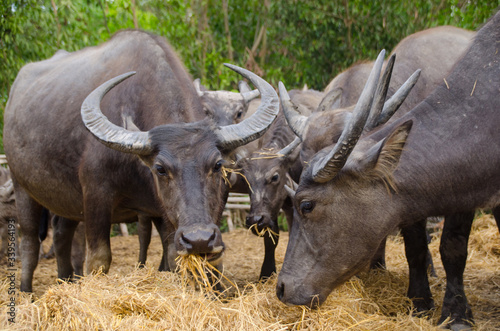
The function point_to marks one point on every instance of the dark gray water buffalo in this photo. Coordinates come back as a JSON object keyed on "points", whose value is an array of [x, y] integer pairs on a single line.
{"points": [[98, 172], [434, 50], [354, 193], [448, 45]]}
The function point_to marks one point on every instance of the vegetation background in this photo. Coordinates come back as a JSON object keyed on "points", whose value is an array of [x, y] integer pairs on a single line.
{"points": [[296, 41]]}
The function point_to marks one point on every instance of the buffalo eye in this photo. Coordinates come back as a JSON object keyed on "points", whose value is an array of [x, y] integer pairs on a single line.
{"points": [[306, 207], [160, 170], [275, 178], [239, 114], [218, 166]]}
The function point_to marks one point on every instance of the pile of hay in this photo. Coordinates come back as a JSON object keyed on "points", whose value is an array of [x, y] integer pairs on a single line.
{"points": [[130, 298]]}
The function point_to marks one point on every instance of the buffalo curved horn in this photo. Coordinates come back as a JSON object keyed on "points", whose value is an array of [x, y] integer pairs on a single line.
{"points": [[327, 167], [108, 133], [235, 135], [249, 96], [288, 149], [393, 104], [290, 192], [296, 121], [380, 95], [245, 91]]}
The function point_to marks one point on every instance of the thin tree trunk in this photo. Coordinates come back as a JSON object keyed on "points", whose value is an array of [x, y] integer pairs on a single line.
{"points": [[348, 23], [226, 27], [134, 15], [105, 18], [202, 9], [263, 49], [54, 8]]}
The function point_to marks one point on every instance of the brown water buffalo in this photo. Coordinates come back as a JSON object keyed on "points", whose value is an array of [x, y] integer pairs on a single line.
{"points": [[354, 193], [68, 155]]}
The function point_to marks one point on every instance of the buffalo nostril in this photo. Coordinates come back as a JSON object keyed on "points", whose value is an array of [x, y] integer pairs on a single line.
{"points": [[211, 240], [280, 290], [186, 243]]}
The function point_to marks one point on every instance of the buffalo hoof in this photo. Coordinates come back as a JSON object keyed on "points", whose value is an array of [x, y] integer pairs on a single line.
{"points": [[461, 325], [422, 307], [266, 273], [457, 327]]}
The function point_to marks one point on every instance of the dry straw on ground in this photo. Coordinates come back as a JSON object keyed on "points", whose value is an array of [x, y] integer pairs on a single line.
{"points": [[132, 299]]}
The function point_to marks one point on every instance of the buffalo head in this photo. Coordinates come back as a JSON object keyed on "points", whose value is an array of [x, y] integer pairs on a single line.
{"points": [[347, 173], [185, 161], [226, 107]]}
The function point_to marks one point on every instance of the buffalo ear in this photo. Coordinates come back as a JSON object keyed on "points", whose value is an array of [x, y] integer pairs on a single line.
{"points": [[331, 100], [383, 157]]}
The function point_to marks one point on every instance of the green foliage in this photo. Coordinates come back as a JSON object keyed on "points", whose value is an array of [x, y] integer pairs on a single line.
{"points": [[304, 41]]}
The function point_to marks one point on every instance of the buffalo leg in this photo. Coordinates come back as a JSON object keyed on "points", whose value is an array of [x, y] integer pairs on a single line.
{"points": [[378, 261], [144, 231], [29, 213], [453, 249], [64, 230], [78, 249], [269, 264], [288, 210], [417, 250], [166, 231], [97, 232]]}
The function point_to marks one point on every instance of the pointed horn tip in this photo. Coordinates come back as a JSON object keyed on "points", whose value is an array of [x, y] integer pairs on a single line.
{"points": [[242, 71], [290, 191], [233, 67], [128, 74], [381, 54], [118, 79], [282, 91]]}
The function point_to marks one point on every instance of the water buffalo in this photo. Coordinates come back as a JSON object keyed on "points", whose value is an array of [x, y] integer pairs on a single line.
{"points": [[448, 45], [433, 50], [354, 193], [266, 165], [226, 107], [69, 156]]}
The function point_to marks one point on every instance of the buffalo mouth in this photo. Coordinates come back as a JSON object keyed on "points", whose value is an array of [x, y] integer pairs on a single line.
{"points": [[262, 230], [212, 257]]}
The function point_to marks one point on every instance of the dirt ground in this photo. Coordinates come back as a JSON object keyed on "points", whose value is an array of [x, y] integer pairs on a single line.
{"points": [[244, 255]]}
